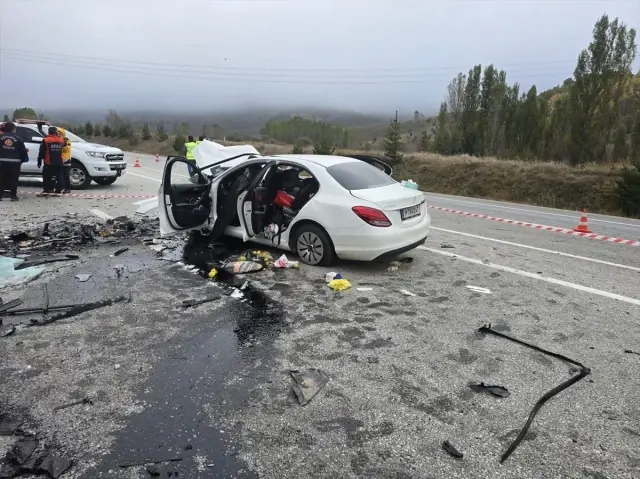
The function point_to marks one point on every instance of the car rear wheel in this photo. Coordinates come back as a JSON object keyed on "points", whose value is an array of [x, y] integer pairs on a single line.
{"points": [[78, 176], [313, 245], [106, 180]]}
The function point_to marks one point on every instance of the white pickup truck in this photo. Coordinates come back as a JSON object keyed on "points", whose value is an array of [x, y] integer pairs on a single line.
{"points": [[89, 161]]}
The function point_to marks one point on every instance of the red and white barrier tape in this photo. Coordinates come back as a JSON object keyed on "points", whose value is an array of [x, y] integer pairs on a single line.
{"points": [[82, 195], [554, 229]]}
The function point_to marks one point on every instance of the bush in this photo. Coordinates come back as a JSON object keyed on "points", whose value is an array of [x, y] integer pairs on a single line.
{"points": [[297, 149], [323, 147], [134, 140], [234, 137], [627, 190]]}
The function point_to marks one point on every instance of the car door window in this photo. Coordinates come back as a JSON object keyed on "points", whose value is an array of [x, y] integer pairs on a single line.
{"points": [[189, 203], [27, 134]]}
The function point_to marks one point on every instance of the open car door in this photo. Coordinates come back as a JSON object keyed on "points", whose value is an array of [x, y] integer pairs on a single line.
{"points": [[372, 160], [254, 201], [182, 204]]}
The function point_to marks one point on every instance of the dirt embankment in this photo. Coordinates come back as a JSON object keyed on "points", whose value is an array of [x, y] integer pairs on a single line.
{"points": [[536, 183]]}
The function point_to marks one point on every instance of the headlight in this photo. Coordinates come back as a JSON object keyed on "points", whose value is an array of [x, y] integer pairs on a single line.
{"points": [[95, 154]]}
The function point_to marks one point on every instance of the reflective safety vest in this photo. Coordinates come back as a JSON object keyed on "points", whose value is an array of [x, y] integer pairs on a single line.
{"points": [[190, 147], [66, 150]]}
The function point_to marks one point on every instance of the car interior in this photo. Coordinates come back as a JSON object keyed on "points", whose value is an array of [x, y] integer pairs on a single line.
{"points": [[281, 194]]}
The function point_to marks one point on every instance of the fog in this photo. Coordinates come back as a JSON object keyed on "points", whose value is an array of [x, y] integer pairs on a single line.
{"points": [[365, 55]]}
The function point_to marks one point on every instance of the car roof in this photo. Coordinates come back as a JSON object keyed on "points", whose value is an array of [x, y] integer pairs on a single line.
{"points": [[322, 160]]}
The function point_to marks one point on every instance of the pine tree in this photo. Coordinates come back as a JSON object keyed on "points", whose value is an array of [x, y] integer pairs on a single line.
{"points": [[88, 129], [178, 144], [6, 118], [107, 131], [146, 134], [161, 132], [97, 130], [424, 141], [393, 142]]}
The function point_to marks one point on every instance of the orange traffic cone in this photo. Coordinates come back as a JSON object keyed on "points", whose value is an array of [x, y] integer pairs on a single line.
{"points": [[137, 163], [582, 227], [157, 159]]}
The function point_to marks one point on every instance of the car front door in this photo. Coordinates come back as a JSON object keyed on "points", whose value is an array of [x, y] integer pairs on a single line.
{"points": [[254, 201], [32, 140], [182, 204]]}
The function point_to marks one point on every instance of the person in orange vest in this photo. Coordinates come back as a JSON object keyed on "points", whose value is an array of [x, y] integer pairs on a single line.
{"points": [[66, 161], [51, 155]]}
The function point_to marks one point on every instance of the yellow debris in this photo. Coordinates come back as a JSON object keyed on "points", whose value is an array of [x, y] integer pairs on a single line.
{"points": [[339, 284]]}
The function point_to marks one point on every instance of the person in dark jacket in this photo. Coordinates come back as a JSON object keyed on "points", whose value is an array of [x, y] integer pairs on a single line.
{"points": [[51, 155], [12, 154]]}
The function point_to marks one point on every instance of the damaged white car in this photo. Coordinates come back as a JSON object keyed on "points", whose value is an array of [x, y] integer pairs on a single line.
{"points": [[319, 207]]}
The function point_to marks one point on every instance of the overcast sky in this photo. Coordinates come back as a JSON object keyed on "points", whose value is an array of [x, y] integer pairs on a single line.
{"points": [[367, 55]]}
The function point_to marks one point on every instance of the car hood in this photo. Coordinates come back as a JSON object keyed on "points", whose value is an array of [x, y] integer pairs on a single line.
{"points": [[209, 152], [95, 147]]}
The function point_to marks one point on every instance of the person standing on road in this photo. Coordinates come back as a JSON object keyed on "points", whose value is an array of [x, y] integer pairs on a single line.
{"points": [[200, 140], [189, 147], [66, 161], [51, 155], [12, 154]]}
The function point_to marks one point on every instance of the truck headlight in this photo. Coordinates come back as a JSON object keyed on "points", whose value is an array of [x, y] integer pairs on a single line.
{"points": [[95, 154]]}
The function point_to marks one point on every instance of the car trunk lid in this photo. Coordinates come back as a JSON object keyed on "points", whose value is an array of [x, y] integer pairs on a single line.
{"points": [[403, 206]]}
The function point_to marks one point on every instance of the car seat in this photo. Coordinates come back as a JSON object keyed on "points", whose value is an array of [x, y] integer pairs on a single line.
{"points": [[310, 187]]}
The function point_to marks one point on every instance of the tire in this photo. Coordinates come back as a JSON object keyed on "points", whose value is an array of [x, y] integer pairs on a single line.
{"points": [[78, 176], [106, 180], [310, 234]]}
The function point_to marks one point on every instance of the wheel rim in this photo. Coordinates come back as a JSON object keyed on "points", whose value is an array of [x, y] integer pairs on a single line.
{"points": [[310, 248], [77, 177]]}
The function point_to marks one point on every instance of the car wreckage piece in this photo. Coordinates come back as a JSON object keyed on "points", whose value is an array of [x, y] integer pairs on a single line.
{"points": [[583, 372]]}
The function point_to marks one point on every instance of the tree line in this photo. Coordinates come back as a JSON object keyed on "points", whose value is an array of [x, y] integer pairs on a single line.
{"points": [[592, 117], [301, 132]]}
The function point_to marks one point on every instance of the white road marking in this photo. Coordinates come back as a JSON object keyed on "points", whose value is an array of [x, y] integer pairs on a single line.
{"points": [[142, 176], [535, 248], [528, 274], [492, 205], [101, 214]]}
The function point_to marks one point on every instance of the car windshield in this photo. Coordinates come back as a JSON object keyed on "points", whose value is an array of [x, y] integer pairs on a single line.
{"points": [[358, 175], [74, 138]]}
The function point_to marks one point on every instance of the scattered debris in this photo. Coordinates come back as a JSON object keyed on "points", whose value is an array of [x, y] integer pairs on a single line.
{"points": [[188, 303], [498, 391], [283, 262], [85, 400], [11, 276], [331, 276], [8, 332], [213, 273], [21, 460], [409, 184], [41, 261], [22, 450], [149, 461], [120, 251], [629, 351], [242, 267], [236, 294], [339, 284], [584, 371], [308, 383], [447, 246], [153, 470], [406, 292], [10, 305], [478, 289], [447, 446], [83, 278], [8, 424], [82, 308], [119, 269], [364, 289]]}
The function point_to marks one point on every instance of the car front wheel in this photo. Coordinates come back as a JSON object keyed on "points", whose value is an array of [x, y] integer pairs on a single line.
{"points": [[313, 245], [106, 181], [78, 176]]}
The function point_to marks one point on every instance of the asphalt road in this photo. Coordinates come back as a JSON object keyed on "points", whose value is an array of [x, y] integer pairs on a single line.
{"points": [[398, 364]]}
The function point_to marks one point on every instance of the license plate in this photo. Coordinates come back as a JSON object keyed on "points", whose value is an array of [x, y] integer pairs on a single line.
{"points": [[410, 212], [118, 167]]}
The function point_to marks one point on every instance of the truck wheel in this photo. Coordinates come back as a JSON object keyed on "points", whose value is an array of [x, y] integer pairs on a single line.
{"points": [[106, 180], [79, 177]]}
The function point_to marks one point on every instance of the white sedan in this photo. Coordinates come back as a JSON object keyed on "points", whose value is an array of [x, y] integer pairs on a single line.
{"points": [[319, 207]]}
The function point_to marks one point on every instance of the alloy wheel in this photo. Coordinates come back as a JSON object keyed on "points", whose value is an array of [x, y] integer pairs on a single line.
{"points": [[310, 248]]}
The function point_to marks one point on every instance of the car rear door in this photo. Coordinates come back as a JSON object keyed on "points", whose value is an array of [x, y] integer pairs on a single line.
{"points": [[253, 203], [183, 205]]}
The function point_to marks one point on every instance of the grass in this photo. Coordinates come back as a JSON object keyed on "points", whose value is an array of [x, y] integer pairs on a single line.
{"points": [[553, 185]]}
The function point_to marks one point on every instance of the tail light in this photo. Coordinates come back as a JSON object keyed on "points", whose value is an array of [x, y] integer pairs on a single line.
{"points": [[372, 216]]}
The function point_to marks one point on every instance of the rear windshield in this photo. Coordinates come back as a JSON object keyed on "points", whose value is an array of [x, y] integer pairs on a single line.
{"points": [[358, 175]]}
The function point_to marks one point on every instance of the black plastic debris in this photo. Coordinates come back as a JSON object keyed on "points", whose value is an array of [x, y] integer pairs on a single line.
{"points": [[583, 372], [22, 450], [41, 261], [498, 391], [83, 308], [74, 403], [120, 251], [7, 332], [10, 305], [446, 246], [153, 470], [188, 303], [629, 351], [125, 465], [451, 450], [308, 383], [55, 466], [8, 424]]}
